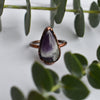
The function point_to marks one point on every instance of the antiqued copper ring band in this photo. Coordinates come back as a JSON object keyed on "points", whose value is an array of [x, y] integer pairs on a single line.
{"points": [[35, 44]]}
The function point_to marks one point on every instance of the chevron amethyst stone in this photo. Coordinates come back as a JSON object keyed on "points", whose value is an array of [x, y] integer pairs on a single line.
{"points": [[49, 51]]}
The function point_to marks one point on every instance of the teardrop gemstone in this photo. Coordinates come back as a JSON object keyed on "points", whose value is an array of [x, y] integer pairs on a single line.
{"points": [[49, 51]]}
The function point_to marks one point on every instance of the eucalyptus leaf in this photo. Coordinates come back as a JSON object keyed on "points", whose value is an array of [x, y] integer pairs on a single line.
{"points": [[79, 23], [76, 4], [33, 95], [98, 53], [42, 77], [16, 94], [95, 61], [57, 2], [52, 14], [60, 11], [55, 79], [1, 6], [93, 17], [27, 19], [73, 65], [73, 88], [99, 3], [51, 98], [0, 25], [82, 59], [94, 75]]}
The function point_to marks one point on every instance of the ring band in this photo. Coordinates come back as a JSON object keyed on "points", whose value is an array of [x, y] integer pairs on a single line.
{"points": [[35, 44]]}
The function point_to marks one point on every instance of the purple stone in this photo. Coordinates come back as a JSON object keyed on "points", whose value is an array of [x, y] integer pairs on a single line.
{"points": [[49, 50]]}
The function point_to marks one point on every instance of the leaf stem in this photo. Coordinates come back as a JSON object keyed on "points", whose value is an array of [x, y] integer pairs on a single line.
{"points": [[15, 7], [25, 7], [85, 11], [56, 87], [48, 8]]}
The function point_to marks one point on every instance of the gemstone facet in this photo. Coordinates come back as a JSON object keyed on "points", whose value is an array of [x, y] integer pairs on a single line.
{"points": [[49, 50]]}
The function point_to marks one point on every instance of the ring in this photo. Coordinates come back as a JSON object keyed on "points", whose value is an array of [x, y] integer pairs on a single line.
{"points": [[48, 46], [35, 44]]}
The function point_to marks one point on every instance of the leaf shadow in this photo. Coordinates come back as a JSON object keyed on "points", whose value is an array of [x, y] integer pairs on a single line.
{"points": [[12, 36], [66, 33]]}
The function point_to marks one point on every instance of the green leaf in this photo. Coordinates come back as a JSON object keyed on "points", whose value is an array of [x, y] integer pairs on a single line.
{"points": [[0, 25], [73, 64], [27, 20], [73, 88], [93, 17], [16, 94], [94, 75], [95, 61], [33, 95], [99, 3], [76, 4], [57, 2], [60, 11], [79, 24], [55, 79], [51, 98], [52, 14], [82, 59], [98, 53], [42, 77], [1, 6]]}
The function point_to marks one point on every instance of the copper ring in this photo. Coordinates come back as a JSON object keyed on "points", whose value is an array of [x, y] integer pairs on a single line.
{"points": [[35, 44], [46, 51]]}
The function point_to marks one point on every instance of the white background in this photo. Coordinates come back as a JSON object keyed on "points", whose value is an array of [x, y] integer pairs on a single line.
{"points": [[16, 57]]}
